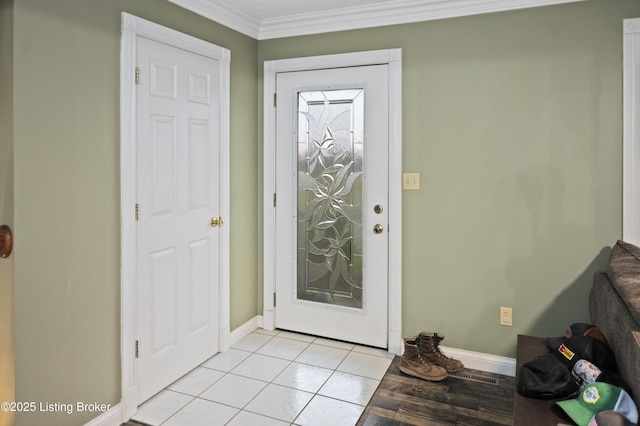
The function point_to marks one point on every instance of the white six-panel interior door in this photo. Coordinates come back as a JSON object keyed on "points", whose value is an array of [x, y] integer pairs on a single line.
{"points": [[178, 195], [175, 206]]}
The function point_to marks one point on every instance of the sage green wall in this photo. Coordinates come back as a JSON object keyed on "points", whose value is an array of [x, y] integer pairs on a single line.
{"points": [[514, 121], [7, 348], [67, 211]]}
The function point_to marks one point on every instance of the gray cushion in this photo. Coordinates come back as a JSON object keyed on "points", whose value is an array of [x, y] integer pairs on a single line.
{"points": [[610, 313], [624, 271]]}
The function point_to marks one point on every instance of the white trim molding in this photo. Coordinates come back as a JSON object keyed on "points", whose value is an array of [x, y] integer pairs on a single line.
{"points": [[223, 13], [483, 362], [631, 134], [390, 12], [132, 27], [245, 329], [112, 417], [392, 57]]}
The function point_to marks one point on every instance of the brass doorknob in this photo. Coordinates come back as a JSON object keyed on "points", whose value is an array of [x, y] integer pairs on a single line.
{"points": [[216, 221], [378, 228]]}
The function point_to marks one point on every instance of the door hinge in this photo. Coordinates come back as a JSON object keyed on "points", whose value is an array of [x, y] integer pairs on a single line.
{"points": [[137, 353], [275, 100], [137, 211], [274, 199], [274, 300], [137, 75]]}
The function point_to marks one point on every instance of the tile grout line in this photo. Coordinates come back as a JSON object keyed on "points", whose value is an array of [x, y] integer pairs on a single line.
{"points": [[316, 393], [271, 382], [226, 373], [254, 351], [262, 390]]}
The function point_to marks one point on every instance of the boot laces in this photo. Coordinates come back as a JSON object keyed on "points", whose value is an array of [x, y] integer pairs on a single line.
{"points": [[424, 361], [436, 341]]}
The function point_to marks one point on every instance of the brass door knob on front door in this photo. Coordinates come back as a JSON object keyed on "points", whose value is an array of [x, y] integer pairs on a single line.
{"points": [[378, 228], [216, 221]]}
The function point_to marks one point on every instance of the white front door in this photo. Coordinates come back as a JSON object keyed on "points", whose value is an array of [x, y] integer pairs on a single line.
{"points": [[177, 196], [332, 174]]}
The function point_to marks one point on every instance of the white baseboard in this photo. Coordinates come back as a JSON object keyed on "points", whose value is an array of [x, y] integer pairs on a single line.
{"points": [[483, 362], [474, 360], [113, 417], [245, 329]]}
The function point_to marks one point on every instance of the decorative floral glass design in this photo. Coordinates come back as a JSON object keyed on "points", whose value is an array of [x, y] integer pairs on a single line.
{"points": [[330, 134]]}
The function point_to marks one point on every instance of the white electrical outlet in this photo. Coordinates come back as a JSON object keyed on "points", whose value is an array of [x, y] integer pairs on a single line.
{"points": [[506, 316]]}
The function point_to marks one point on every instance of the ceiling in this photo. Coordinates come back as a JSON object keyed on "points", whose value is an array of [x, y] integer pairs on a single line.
{"points": [[268, 9], [266, 19]]}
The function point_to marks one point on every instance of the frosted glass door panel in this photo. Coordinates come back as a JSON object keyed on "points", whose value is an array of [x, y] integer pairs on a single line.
{"points": [[330, 132]]}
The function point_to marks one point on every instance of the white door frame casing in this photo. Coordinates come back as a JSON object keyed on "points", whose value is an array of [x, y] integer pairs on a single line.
{"points": [[631, 138], [133, 27], [392, 57]]}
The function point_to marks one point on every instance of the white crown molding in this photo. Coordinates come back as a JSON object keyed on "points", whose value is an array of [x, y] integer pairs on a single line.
{"points": [[391, 12], [225, 14]]}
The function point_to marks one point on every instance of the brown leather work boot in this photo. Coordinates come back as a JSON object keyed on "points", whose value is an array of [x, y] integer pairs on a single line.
{"points": [[428, 343], [413, 364]]}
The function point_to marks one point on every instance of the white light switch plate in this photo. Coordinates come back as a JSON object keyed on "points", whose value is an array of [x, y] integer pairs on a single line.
{"points": [[411, 181]]}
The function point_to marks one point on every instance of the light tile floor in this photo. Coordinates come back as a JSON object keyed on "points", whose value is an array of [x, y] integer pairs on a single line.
{"points": [[273, 378]]}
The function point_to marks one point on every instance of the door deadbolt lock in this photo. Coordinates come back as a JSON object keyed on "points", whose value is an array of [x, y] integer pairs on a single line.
{"points": [[377, 209], [378, 228], [216, 221]]}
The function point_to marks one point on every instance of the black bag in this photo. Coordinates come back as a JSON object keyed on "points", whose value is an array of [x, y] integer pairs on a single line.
{"points": [[570, 350], [546, 377]]}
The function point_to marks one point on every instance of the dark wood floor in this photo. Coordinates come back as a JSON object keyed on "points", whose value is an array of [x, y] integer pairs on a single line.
{"points": [[471, 399]]}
